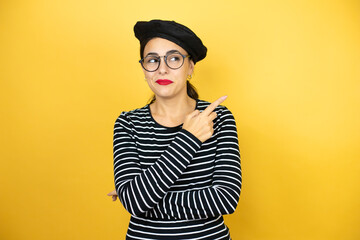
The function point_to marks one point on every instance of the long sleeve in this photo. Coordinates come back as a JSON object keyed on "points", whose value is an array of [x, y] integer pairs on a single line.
{"points": [[140, 190], [223, 196]]}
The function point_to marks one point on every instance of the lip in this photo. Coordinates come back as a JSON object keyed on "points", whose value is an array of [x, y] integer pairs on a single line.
{"points": [[163, 81]]}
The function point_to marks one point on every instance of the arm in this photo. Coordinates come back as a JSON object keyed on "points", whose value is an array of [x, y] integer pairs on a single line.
{"points": [[138, 190], [223, 196]]}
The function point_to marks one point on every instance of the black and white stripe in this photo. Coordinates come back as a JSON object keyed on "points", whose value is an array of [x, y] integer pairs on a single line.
{"points": [[174, 186]]}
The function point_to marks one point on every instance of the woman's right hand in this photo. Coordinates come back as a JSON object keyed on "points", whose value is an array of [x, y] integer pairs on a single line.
{"points": [[200, 124], [113, 194]]}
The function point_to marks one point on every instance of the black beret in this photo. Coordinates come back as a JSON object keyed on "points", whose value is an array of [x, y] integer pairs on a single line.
{"points": [[174, 32]]}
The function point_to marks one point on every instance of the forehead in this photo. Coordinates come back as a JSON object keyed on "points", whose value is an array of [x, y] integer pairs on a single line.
{"points": [[161, 46]]}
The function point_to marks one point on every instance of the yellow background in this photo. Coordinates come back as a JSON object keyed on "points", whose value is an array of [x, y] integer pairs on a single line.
{"points": [[291, 70]]}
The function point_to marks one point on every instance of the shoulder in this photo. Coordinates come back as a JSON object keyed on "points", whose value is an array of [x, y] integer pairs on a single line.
{"points": [[138, 114], [224, 118], [220, 110]]}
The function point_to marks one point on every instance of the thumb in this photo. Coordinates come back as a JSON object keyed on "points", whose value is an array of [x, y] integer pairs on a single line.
{"points": [[193, 114], [111, 193]]}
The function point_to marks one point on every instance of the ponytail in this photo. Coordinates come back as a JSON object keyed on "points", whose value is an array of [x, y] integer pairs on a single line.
{"points": [[191, 91]]}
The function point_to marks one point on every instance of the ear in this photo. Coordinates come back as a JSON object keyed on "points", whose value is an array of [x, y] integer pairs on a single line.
{"points": [[191, 67]]}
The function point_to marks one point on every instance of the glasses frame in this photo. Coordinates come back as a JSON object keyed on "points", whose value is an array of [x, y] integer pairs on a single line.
{"points": [[141, 61]]}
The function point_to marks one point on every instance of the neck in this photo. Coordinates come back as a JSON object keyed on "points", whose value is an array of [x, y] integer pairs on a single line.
{"points": [[171, 112], [173, 107]]}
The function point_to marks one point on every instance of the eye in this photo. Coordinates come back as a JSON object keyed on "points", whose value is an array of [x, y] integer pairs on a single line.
{"points": [[151, 59], [174, 57]]}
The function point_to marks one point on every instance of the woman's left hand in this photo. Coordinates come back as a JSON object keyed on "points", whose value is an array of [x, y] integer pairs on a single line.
{"points": [[113, 194]]}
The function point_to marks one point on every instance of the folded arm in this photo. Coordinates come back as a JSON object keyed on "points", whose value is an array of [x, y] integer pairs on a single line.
{"points": [[138, 190], [223, 196]]}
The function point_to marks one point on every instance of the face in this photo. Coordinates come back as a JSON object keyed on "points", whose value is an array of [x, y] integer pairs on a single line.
{"points": [[177, 77]]}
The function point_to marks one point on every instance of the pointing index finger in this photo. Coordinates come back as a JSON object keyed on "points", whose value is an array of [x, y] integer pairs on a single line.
{"points": [[213, 105]]}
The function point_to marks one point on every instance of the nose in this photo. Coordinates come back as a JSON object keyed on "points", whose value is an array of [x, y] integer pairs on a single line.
{"points": [[163, 68]]}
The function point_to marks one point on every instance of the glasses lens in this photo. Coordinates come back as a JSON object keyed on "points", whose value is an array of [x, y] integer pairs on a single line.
{"points": [[151, 63], [174, 60]]}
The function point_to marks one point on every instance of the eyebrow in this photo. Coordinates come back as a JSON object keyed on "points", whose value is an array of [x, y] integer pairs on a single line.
{"points": [[168, 52]]}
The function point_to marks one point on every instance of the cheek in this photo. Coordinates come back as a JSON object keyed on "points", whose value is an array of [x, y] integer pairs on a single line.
{"points": [[151, 85], [188, 69], [148, 75], [185, 73]]}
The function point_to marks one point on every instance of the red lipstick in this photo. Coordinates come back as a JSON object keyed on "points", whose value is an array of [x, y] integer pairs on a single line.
{"points": [[163, 81]]}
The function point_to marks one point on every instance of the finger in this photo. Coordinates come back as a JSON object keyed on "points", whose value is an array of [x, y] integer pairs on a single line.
{"points": [[211, 124], [193, 114], [212, 116], [112, 193], [213, 105]]}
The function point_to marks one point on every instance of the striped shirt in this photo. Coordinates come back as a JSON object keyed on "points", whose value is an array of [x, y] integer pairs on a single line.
{"points": [[173, 185]]}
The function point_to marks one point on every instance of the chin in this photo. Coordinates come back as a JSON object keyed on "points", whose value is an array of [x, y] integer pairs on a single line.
{"points": [[167, 92], [166, 96]]}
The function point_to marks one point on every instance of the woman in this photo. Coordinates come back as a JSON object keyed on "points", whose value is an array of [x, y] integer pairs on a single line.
{"points": [[176, 160]]}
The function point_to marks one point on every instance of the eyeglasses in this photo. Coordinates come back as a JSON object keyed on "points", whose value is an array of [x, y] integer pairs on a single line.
{"points": [[173, 60]]}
